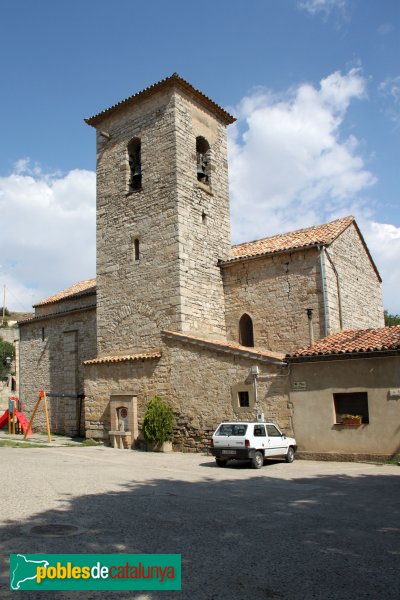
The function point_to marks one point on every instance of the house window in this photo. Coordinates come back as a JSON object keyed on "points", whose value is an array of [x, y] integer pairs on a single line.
{"points": [[244, 400], [246, 337], [354, 403], [136, 249], [242, 397], [135, 165], [203, 160]]}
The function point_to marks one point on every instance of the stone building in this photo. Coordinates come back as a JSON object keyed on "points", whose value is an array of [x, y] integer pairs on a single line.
{"points": [[175, 309]]}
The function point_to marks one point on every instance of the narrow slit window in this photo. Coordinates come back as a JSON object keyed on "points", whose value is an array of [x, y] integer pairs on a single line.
{"points": [[135, 165], [136, 248]]}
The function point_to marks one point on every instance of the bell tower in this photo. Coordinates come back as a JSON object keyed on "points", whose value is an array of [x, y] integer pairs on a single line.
{"points": [[162, 217]]}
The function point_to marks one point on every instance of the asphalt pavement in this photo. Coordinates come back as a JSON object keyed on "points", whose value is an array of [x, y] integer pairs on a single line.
{"points": [[302, 531]]}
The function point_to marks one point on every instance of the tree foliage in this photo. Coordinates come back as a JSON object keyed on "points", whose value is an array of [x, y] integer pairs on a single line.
{"points": [[6, 349], [158, 421], [391, 319]]}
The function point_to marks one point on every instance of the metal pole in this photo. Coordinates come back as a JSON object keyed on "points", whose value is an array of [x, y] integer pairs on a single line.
{"points": [[4, 304]]}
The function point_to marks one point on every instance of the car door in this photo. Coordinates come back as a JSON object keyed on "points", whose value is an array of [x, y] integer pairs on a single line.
{"points": [[260, 440], [277, 444]]}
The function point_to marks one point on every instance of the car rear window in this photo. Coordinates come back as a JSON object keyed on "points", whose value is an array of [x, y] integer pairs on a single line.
{"points": [[231, 429]]}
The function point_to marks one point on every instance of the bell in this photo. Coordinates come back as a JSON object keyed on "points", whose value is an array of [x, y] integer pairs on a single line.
{"points": [[201, 172], [136, 171]]}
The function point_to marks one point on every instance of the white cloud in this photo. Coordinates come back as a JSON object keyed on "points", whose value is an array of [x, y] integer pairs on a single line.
{"points": [[289, 165], [292, 167], [390, 90], [48, 232], [383, 240], [324, 7], [385, 28]]}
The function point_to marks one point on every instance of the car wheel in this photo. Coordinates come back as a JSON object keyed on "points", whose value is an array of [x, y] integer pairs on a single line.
{"points": [[290, 455], [221, 462], [258, 460]]}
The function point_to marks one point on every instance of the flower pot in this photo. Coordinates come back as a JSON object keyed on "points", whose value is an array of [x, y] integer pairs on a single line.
{"points": [[159, 446], [357, 421]]}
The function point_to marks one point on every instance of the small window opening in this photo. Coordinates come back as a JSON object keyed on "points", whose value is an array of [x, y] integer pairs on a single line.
{"points": [[244, 400], [351, 405], [136, 249], [135, 165], [204, 217], [43, 334], [203, 159], [246, 337]]}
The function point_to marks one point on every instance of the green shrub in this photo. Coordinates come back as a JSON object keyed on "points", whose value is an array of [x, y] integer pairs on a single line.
{"points": [[6, 349], [158, 421]]}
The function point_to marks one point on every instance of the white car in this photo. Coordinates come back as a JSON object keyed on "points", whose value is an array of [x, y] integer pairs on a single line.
{"points": [[252, 441]]}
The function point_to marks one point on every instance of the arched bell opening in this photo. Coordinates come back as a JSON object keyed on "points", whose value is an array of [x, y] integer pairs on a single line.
{"points": [[135, 164], [203, 160]]}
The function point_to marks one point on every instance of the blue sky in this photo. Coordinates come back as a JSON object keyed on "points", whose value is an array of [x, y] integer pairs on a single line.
{"points": [[315, 85]]}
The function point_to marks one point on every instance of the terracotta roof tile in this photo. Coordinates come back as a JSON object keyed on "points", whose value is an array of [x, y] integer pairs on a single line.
{"points": [[124, 358], [311, 236], [353, 341], [78, 289], [225, 346], [172, 79]]}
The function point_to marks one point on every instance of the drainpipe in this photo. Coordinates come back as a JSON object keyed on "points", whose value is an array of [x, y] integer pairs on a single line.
{"points": [[338, 289], [324, 292], [310, 325]]}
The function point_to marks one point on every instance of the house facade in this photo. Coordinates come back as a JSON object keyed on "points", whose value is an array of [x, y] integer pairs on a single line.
{"points": [[354, 372], [175, 309]]}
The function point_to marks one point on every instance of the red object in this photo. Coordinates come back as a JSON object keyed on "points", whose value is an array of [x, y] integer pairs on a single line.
{"points": [[20, 417], [4, 419]]}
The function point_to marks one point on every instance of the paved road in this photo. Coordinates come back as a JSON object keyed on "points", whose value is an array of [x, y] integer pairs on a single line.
{"points": [[309, 530]]}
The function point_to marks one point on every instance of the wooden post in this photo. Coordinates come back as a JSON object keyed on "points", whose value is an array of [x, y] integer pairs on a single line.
{"points": [[41, 395], [47, 415]]}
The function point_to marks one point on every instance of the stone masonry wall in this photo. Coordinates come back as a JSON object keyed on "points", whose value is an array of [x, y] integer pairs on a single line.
{"points": [[136, 298], [51, 354], [196, 382], [204, 220], [182, 226], [360, 289], [276, 292]]}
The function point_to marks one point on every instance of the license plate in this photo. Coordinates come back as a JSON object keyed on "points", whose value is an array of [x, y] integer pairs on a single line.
{"points": [[228, 451]]}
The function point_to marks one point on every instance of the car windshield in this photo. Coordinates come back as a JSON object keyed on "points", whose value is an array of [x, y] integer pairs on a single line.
{"points": [[231, 429]]}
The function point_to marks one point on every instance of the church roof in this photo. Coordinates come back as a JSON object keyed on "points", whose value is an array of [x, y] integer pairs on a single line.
{"points": [[353, 341], [78, 289], [101, 360], [310, 237], [228, 347], [170, 81], [318, 235]]}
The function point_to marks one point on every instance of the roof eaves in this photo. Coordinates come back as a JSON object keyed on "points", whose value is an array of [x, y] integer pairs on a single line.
{"points": [[123, 358], [226, 348], [54, 315], [288, 250], [343, 355], [87, 292], [173, 79]]}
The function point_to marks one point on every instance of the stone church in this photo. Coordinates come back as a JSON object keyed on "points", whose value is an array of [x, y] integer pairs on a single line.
{"points": [[175, 309]]}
